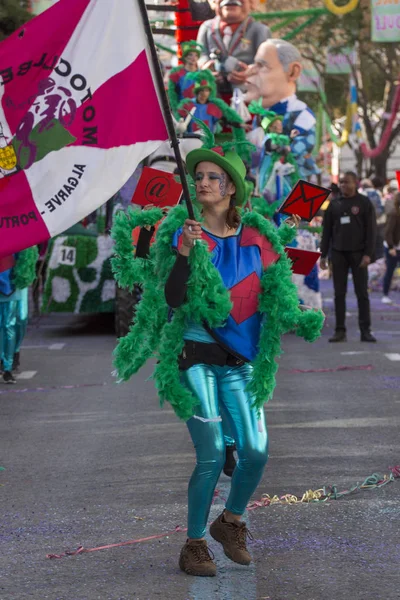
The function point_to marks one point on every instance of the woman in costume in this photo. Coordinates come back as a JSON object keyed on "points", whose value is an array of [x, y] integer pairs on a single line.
{"points": [[17, 272], [216, 333]]}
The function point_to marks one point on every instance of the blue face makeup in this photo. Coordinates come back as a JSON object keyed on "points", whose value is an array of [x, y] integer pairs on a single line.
{"points": [[223, 184], [221, 177]]}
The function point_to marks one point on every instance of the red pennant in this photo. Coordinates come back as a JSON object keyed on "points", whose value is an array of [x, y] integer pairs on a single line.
{"points": [[157, 188], [305, 200], [302, 260], [398, 178]]}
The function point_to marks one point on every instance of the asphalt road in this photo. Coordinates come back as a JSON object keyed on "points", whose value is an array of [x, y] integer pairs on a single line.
{"points": [[99, 463]]}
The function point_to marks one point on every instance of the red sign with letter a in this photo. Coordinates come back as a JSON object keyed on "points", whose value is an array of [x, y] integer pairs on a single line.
{"points": [[157, 188]]}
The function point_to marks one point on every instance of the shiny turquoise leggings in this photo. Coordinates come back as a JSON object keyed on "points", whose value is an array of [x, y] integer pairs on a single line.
{"points": [[22, 318], [8, 321], [223, 386], [13, 324]]}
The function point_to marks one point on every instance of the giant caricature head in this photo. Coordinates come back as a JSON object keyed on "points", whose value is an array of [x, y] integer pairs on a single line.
{"points": [[232, 11], [277, 66]]}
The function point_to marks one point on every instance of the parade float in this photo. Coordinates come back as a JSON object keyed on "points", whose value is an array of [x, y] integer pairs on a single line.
{"points": [[79, 278]]}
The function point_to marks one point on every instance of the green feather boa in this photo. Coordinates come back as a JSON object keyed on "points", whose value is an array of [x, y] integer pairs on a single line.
{"points": [[207, 300], [24, 272], [127, 271]]}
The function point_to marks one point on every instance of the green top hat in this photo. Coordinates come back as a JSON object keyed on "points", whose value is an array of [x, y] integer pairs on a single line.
{"points": [[229, 161], [191, 46]]}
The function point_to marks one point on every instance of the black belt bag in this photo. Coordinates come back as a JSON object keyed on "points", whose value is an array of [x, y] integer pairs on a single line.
{"points": [[195, 353]]}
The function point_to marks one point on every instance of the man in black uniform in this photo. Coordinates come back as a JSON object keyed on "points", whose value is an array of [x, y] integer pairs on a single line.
{"points": [[349, 228]]}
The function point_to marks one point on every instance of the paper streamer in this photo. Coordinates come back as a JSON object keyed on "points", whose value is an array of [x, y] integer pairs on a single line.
{"points": [[326, 493], [82, 550]]}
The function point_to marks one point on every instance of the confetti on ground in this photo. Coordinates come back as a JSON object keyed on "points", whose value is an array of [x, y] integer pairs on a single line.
{"points": [[326, 493], [322, 495]]}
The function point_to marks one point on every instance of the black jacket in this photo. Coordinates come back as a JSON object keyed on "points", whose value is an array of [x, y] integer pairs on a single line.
{"points": [[349, 226]]}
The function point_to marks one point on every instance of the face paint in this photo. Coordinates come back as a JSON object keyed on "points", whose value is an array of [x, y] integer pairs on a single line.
{"points": [[223, 184]]}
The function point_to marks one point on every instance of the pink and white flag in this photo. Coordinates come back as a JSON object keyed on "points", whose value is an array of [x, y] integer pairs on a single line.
{"points": [[78, 112]]}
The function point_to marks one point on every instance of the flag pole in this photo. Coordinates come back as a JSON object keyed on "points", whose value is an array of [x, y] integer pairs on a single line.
{"points": [[166, 108]]}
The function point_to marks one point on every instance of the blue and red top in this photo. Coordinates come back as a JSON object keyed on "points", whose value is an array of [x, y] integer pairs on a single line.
{"points": [[241, 259]]}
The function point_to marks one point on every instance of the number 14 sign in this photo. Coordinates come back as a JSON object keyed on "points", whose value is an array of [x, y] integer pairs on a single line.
{"points": [[67, 256]]}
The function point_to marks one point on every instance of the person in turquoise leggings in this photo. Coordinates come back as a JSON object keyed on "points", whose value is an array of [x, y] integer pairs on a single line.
{"points": [[228, 298], [9, 298], [225, 385], [17, 272], [21, 326]]}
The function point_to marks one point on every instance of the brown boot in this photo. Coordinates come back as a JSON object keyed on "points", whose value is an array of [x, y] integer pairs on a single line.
{"points": [[232, 536], [197, 559]]}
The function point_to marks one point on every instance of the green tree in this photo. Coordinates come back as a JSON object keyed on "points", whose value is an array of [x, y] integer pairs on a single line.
{"points": [[13, 14], [376, 75], [377, 72]]}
